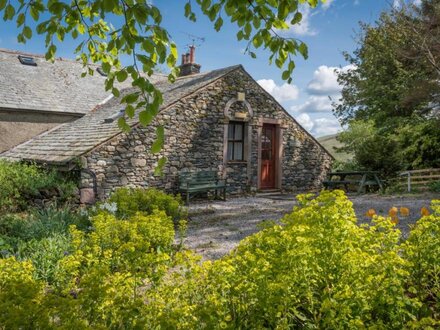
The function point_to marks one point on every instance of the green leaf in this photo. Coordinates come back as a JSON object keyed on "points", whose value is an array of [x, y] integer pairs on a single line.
{"points": [[285, 75], [3, 4], [296, 18], [115, 92], [129, 111], [27, 32], [9, 13], [257, 41], [158, 143], [160, 164], [20, 19], [35, 13], [218, 24], [130, 98], [145, 117], [122, 123], [303, 50], [121, 76], [187, 9]]}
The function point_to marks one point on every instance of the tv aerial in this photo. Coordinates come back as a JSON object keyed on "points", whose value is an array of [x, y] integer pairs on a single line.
{"points": [[197, 41]]}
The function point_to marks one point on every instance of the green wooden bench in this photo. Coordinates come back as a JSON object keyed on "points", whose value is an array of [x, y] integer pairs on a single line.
{"points": [[202, 181]]}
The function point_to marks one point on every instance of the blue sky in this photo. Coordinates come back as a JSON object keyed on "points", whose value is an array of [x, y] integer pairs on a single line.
{"points": [[328, 30]]}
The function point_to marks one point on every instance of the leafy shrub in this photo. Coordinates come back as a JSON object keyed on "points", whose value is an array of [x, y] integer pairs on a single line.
{"points": [[318, 269], [21, 297], [435, 186], [21, 182], [38, 224], [129, 201], [422, 250], [44, 254], [139, 244]]}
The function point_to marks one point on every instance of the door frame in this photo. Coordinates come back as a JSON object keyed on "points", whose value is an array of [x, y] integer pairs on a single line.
{"points": [[279, 127]]}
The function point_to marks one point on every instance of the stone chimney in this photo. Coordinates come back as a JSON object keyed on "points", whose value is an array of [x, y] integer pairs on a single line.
{"points": [[189, 66]]}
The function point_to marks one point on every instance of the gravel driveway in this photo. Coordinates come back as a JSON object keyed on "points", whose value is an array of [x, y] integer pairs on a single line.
{"points": [[216, 227]]}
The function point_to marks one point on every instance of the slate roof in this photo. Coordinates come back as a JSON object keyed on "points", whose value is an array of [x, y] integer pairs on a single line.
{"points": [[55, 87], [70, 140]]}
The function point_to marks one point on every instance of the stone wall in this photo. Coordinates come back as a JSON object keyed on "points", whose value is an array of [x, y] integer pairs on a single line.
{"points": [[195, 133]]}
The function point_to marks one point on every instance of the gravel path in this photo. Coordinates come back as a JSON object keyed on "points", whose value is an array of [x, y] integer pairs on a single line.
{"points": [[216, 227]]}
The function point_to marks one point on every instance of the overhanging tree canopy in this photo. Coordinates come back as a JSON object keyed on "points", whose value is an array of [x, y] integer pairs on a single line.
{"points": [[142, 36]]}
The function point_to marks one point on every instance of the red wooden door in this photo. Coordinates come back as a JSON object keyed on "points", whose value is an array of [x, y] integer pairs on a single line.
{"points": [[268, 152]]}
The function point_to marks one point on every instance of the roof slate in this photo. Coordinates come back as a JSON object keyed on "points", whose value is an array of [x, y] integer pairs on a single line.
{"points": [[54, 87], [76, 138]]}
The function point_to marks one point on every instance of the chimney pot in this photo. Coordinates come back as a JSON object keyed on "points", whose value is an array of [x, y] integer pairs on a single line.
{"points": [[192, 54], [188, 66]]}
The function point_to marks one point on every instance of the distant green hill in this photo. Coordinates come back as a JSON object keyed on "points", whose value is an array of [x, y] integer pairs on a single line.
{"points": [[329, 142]]}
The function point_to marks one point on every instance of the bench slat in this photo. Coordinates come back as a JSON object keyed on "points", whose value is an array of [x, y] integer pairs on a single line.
{"points": [[192, 182]]}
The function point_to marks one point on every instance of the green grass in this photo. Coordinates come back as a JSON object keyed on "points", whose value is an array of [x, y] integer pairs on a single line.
{"points": [[329, 142]]}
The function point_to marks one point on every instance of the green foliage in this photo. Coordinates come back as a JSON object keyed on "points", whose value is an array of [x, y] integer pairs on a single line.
{"points": [[422, 250], [419, 143], [435, 186], [129, 201], [38, 224], [40, 237], [44, 254], [349, 165], [138, 245], [19, 183], [392, 90], [373, 149], [317, 270], [21, 296]]}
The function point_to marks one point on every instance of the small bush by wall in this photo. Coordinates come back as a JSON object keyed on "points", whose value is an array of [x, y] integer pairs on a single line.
{"points": [[131, 200], [22, 184]]}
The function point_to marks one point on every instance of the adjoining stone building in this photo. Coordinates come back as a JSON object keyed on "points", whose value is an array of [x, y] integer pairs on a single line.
{"points": [[36, 95], [220, 120]]}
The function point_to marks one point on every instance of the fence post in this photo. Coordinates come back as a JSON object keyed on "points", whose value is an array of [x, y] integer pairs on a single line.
{"points": [[409, 181]]}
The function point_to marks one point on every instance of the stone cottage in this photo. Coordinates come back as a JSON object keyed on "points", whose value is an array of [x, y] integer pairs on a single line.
{"points": [[220, 120]]}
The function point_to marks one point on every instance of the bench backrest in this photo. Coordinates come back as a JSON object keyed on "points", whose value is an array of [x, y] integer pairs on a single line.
{"points": [[198, 177]]}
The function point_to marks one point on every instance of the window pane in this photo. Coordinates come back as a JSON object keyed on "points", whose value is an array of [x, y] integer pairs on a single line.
{"points": [[238, 132], [231, 132], [238, 151], [230, 145]]}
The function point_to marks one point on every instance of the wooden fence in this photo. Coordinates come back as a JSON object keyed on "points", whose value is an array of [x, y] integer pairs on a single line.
{"points": [[419, 179]]}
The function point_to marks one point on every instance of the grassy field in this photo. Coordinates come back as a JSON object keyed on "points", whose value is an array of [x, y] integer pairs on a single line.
{"points": [[330, 143]]}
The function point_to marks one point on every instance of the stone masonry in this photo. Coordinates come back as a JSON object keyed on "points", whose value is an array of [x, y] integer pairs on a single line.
{"points": [[195, 140]]}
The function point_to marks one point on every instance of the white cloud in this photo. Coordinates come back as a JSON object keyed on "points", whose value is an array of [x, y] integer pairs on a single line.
{"points": [[397, 4], [305, 121], [325, 80], [320, 126], [326, 126], [327, 4], [285, 92], [302, 28], [314, 104]]}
